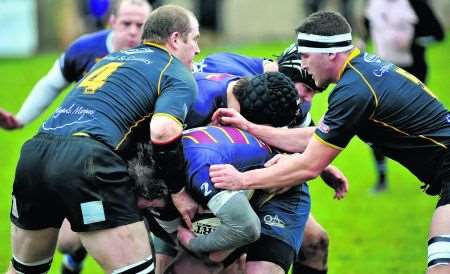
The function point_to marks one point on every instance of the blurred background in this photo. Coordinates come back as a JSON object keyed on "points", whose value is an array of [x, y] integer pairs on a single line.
{"points": [[30, 26]]}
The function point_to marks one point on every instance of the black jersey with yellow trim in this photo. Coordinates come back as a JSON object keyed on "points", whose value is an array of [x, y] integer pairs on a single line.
{"points": [[384, 105], [122, 92]]}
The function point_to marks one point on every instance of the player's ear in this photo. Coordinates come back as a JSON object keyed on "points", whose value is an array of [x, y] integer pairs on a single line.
{"points": [[174, 39], [332, 56], [112, 20]]}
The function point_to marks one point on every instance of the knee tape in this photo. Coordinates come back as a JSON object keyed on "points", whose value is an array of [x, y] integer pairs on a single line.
{"points": [[143, 267], [439, 250], [40, 267]]}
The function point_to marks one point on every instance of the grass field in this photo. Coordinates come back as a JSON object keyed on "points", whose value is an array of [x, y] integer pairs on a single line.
{"points": [[382, 234]]}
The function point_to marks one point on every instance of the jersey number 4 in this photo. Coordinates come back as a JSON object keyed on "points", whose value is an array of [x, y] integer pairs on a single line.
{"points": [[97, 78]]}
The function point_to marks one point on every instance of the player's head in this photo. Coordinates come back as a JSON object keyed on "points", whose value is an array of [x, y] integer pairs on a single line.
{"points": [[150, 190], [127, 20], [175, 28], [324, 39], [289, 63], [269, 98]]}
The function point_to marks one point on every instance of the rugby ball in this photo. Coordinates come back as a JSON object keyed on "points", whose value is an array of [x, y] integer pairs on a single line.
{"points": [[204, 223]]}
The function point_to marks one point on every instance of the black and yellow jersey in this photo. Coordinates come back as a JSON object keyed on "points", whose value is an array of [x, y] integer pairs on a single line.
{"points": [[390, 108]]}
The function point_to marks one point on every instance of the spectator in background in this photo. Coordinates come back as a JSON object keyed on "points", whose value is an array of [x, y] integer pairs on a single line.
{"points": [[344, 7], [400, 30], [126, 20]]}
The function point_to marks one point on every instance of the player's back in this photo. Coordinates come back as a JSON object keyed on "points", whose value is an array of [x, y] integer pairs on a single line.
{"points": [[119, 95], [83, 54], [212, 94], [225, 62]]}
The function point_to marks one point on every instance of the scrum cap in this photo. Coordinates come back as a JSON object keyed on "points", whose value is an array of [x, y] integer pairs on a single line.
{"points": [[269, 98], [289, 63]]}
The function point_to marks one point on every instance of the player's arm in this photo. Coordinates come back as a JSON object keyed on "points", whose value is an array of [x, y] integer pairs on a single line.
{"points": [[176, 97], [289, 140], [287, 172], [239, 224], [165, 132], [42, 95]]}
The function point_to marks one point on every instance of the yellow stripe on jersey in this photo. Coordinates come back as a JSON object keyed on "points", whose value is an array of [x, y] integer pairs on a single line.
{"points": [[317, 137], [131, 129], [193, 139]]}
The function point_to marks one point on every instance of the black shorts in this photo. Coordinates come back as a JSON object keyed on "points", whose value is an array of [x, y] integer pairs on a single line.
{"points": [[443, 179], [270, 249], [76, 178]]}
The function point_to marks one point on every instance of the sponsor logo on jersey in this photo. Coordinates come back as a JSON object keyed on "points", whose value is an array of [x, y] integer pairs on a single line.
{"points": [[323, 127], [274, 221]]}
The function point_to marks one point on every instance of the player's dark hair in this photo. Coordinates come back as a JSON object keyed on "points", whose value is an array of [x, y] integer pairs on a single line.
{"points": [[166, 20], [143, 170], [289, 63], [269, 98], [325, 23]]}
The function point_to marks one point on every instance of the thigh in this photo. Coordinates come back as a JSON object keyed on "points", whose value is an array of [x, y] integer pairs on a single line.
{"points": [[263, 268], [185, 263], [68, 241], [162, 261], [284, 217], [118, 247], [30, 246], [271, 250], [440, 223]]}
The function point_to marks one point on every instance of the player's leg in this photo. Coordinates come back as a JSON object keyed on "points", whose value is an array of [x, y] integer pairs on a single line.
{"points": [[283, 221], [165, 253], [32, 249], [74, 253], [36, 213], [102, 207], [186, 263], [380, 164], [313, 255], [439, 239], [121, 248], [269, 255]]}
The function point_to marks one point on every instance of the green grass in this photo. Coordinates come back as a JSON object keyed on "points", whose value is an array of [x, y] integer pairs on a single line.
{"points": [[369, 233]]}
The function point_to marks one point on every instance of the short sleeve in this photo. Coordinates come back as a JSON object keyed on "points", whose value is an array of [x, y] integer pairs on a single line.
{"points": [[177, 96], [348, 109]]}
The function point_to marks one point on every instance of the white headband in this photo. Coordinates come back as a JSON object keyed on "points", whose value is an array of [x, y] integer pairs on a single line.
{"points": [[324, 44]]}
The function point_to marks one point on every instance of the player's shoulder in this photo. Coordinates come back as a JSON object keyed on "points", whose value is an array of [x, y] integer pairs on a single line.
{"points": [[89, 42]]}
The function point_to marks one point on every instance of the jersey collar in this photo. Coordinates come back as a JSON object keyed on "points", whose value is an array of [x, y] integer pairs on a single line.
{"points": [[355, 52], [157, 46]]}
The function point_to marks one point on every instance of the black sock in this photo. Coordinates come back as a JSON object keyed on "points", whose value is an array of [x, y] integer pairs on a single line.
{"points": [[79, 255]]}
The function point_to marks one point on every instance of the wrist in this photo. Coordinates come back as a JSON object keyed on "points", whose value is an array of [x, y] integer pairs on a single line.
{"points": [[249, 127]]}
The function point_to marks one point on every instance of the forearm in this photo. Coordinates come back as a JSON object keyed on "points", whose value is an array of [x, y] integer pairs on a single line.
{"points": [[168, 152], [286, 173], [287, 139], [42, 95], [239, 224]]}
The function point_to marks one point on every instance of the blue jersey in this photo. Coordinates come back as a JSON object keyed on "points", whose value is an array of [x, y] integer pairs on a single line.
{"points": [[210, 145], [384, 105], [211, 96], [243, 66], [83, 54], [231, 63], [116, 100], [282, 217]]}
